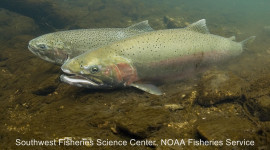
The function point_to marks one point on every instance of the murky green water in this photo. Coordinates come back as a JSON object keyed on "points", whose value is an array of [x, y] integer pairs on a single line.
{"points": [[228, 101]]}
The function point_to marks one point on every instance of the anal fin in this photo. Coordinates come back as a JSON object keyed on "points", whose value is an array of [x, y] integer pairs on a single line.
{"points": [[147, 88]]}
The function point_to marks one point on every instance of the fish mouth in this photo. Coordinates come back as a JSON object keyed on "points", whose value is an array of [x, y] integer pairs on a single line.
{"points": [[32, 49], [37, 52], [79, 80]]}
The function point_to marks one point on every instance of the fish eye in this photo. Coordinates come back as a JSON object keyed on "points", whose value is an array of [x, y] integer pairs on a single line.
{"points": [[94, 69], [42, 46]]}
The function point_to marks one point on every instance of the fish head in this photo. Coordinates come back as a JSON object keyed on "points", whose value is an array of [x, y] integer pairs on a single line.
{"points": [[102, 70], [49, 47]]}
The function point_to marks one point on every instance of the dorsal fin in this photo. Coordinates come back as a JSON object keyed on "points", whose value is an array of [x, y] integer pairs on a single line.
{"points": [[199, 26], [232, 38], [141, 26]]}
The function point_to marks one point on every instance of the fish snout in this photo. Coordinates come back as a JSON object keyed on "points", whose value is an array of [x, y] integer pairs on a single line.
{"points": [[70, 67], [30, 42], [66, 70], [31, 46]]}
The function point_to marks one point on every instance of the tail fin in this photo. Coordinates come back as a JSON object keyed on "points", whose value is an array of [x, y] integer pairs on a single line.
{"points": [[247, 41]]}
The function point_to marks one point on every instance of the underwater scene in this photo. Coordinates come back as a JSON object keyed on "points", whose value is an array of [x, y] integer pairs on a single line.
{"points": [[135, 74]]}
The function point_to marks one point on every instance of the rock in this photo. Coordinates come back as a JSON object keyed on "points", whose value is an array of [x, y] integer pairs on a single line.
{"points": [[218, 86], [260, 107], [13, 24], [173, 107], [44, 12], [96, 5], [19, 41], [45, 91], [2, 57], [47, 87], [141, 122], [173, 23], [234, 128], [259, 86]]}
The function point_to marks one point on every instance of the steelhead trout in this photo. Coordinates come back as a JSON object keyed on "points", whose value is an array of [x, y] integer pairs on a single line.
{"points": [[142, 60], [59, 46]]}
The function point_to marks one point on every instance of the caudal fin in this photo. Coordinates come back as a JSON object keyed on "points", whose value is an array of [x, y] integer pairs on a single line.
{"points": [[247, 41]]}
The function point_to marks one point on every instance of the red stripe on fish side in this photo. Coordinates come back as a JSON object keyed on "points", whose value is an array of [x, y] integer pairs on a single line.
{"points": [[127, 73], [185, 74], [211, 56]]}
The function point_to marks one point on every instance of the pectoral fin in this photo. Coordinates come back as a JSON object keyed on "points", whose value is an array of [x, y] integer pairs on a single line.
{"points": [[147, 88]]}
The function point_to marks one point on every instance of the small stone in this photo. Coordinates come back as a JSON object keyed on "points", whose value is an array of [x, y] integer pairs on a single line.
{"points": [[183, 96], [173, 107], [113, 129]]}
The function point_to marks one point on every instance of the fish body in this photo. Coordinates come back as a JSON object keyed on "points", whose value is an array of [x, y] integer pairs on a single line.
{"points": [[142, 60], [59, 46]]}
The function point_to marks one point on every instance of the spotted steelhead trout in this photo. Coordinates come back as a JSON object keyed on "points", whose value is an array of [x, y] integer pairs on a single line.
{"points": [[59, 46], [142, 60]]}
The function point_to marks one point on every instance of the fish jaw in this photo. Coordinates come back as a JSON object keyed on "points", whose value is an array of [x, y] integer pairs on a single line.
{"points": [[80, 81]]}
